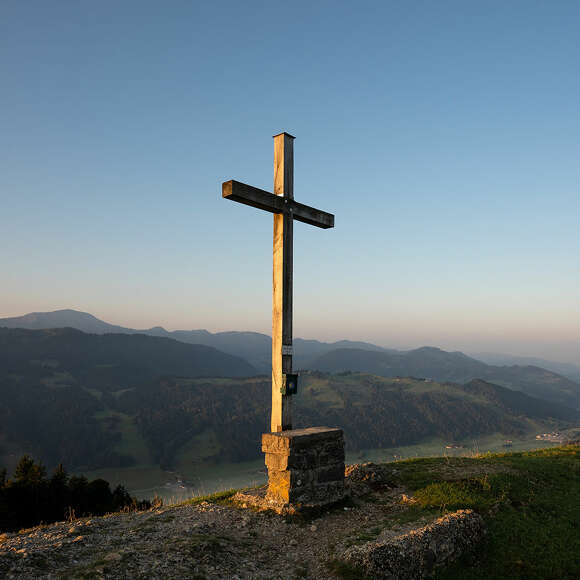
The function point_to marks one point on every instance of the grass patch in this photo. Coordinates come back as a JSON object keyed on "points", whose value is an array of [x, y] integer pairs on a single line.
{"points": [[120, 392], [369, 535], [94, 392], [220, 497], [198, 449], [319, 391], [417, 473], [412, 514], [345, 571], [189, 382], [132, 442], [479, 493], [529, 501]]}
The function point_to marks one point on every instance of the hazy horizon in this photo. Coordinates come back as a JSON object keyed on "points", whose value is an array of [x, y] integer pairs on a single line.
{"points": [[467, 347], [444, 137]]}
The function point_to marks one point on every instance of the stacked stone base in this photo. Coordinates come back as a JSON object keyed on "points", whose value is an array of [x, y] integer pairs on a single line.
{"points": [[305, 468]]}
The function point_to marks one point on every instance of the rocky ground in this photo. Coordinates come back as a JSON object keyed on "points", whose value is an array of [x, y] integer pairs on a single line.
{"points": [[209, 540]]}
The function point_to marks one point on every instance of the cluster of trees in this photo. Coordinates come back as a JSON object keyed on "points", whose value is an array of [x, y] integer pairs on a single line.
{"points": [[374, 412], [30, 497], [170, 411], [54, 418], [57, 385], [92, 401]]}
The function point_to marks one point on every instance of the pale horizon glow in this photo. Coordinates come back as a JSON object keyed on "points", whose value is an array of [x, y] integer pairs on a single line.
{"points": [[553, 347], [444, 137]]}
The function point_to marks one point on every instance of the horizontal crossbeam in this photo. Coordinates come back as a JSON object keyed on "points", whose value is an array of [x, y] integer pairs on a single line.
{"points": [[261, 199]]}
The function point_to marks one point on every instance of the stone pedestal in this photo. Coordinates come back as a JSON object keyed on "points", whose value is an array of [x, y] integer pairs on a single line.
{"points": [[305, 467]]}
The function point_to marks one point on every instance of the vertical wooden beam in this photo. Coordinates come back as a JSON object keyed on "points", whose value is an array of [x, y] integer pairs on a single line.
{"points": [[282, 283]]}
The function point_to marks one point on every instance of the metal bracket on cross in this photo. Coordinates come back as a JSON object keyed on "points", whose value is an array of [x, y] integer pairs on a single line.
{"points": [[289, 384]]}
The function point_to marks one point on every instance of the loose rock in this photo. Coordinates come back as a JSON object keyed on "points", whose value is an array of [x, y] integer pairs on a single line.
{"points": [[215, 541]]}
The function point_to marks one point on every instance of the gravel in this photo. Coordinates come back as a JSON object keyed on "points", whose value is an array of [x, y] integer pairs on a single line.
{"points": [[207, 540]]}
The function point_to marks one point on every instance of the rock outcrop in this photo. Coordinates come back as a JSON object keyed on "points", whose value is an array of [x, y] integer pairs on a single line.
{"points": [[414, 555]]}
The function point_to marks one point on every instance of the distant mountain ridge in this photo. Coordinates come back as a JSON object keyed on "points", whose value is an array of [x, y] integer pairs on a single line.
{"points": [[119, 400], [62, 319], [439, 365], [344, 355], [254, 347], [569, 370], [121, 355]]}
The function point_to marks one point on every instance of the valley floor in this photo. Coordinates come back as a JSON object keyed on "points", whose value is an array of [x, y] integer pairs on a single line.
{"points": [[525, 499], [203, 478]]}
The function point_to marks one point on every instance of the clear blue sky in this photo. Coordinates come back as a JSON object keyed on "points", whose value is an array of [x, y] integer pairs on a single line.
{"points": [[445, 136]]}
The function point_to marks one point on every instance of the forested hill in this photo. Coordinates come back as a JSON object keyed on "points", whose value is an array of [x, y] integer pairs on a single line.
{"points": [[119, 359], [112, 400], [254, 347], [344, 355], [56, 386], [439, 365], [94, 401], [373, 411]]}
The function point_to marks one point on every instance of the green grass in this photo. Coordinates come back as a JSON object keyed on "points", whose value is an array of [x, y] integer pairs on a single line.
{"points": [[199, 448], [532, 510], [345, 571], [58, 380], [205, 476], [185, 382], [368, 535], [220, 497], [435, 447], [132, 442], [120, 392], [316, 390]]}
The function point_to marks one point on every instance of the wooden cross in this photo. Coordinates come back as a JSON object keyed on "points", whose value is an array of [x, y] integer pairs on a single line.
{"points": [[281, 203]]}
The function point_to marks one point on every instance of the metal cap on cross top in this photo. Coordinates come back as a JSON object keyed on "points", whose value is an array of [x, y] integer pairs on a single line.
{"points": [[281, 203]]}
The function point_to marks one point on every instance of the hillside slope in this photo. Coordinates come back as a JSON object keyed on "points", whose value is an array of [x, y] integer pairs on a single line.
{"points": [[568, 370], [373, 411], [338, 356], [115, 400], [55, 386], [439, 365], [254, 347], [66, 318], [127, 358], [528, 502]]}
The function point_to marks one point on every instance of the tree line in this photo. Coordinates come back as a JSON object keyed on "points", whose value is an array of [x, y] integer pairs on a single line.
{"points": [[31, 497]]}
